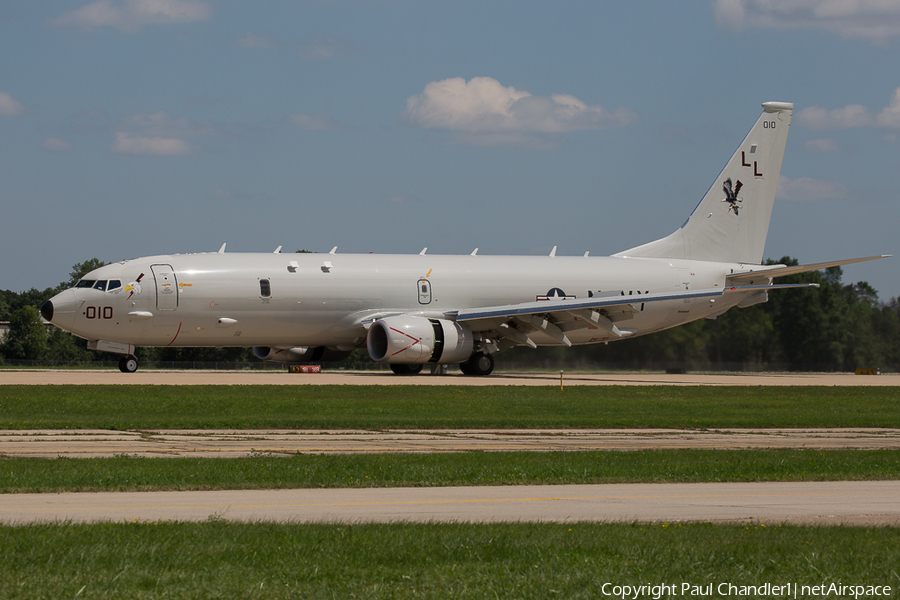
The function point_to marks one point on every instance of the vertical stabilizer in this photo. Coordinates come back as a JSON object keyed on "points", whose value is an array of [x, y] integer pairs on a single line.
{"points": [[731, 222]]}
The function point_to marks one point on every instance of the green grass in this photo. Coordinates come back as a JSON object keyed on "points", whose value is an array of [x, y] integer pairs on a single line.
{"points": [[229, 560], [426, 407], [474, 468]]}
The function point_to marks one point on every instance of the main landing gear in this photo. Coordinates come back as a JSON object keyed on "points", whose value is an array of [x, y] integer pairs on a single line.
{"points": [[399, 369], [479, 364], [128, 364]]}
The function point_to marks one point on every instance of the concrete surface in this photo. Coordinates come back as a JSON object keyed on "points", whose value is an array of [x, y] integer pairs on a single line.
{"points": [[146, 377], [859, 502], [91, 443]]}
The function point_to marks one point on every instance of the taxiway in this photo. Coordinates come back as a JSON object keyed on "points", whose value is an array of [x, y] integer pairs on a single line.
{"points": [[206, 443], [337, 377], [858, 502]]}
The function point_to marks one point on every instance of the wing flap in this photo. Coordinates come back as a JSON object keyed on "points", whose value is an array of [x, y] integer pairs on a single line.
{"points": [[559, 306], [554, 318]]}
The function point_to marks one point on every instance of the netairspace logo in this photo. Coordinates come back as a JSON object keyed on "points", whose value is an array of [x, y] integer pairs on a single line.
{"points": [[785, 590]]}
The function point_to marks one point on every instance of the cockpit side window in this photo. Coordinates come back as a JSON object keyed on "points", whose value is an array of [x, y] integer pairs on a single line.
{"points": [[100, 285], [265, 288], [86, 283], [114, 284]]}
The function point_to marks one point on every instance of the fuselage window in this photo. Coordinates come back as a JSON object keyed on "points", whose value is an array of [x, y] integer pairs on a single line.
{"points": [[114, 284], [86, 283], [265, 289], [100, 285]]}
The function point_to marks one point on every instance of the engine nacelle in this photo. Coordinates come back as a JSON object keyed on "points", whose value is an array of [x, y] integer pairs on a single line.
{"points": [[417, 340], [300, 354]]}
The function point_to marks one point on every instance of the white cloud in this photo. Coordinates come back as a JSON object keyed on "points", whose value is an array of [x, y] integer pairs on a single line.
{"points": [[324, 48], [56, 144], [807, 189], [252, 40], [874, 20], [890, 116], [131, 15], [149, 146], [314, 122], [822, 145], [505, 115], [161, 124], [850, 117], [9, 107], [158, 134]]}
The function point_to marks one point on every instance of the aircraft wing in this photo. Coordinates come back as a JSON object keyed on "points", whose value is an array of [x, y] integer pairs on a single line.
{"points": [[555, 317], [770, 271]]}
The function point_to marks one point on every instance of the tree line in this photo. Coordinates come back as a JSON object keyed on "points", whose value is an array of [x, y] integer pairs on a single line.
{"points": [[836, 327]]}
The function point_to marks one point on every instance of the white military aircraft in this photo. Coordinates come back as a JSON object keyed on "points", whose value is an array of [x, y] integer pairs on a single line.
{"points": [[411, 310]]}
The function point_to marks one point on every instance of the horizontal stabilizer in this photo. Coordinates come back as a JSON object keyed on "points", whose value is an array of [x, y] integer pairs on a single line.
{"points": [[769, 272]]}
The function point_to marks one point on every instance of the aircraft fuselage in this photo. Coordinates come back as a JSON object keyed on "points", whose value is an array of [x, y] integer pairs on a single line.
{"points": [[288, 300]]}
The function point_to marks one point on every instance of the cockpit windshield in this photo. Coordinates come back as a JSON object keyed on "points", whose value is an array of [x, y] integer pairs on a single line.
{"points": [[100, 284]]}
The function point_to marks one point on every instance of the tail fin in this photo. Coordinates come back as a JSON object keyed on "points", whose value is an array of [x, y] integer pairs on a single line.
{"points": [[732, 221]]}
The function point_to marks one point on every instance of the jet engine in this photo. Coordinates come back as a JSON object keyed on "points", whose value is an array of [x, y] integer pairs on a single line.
{"points": [[418, 340], [300, 354]]}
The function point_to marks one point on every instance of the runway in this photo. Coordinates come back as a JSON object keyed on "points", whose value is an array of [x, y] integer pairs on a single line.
{"points": [[337, 377], [860, 503], [95, 443]]}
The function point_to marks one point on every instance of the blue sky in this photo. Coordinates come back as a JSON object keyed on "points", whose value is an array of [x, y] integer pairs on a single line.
{"points": [[140, 127]]}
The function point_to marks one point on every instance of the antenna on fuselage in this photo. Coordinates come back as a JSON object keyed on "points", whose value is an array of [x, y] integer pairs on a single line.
{"points": [[222, 249]]}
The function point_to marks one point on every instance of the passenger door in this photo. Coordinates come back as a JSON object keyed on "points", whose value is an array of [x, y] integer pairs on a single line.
{"points": [[166, 287]]}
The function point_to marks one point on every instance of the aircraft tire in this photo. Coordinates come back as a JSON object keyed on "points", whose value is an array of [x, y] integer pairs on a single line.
{"points": [[399, 369], [128, 364], [478, 365]]}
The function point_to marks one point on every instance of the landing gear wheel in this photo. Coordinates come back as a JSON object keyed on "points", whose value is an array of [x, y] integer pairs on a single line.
{"points": [[406, 369], [478, 365], [128, 364]]}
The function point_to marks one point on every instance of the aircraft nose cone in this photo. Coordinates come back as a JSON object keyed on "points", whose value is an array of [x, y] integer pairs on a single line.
{"points": [[47, 311], [60, 310]]}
